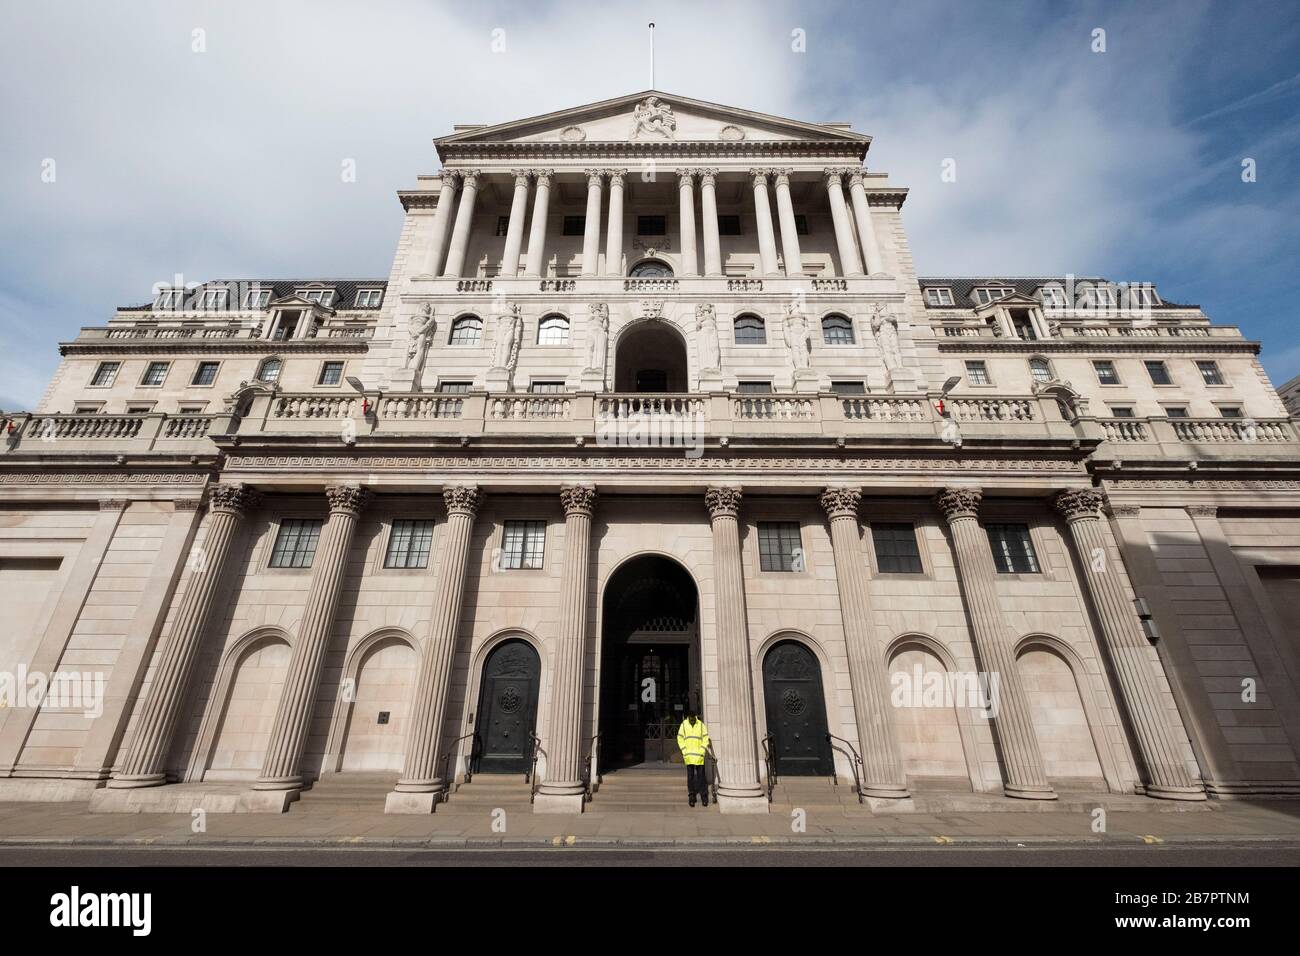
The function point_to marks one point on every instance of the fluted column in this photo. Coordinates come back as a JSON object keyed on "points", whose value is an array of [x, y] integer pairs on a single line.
{"points": [[441, 224], [515, 228], [739, 790], [146, 760], [536, 260], [614, 228], [1129, 652], [1012, 723], [464, 220], [882, 763], [866, 228], [562, 789], [686, 215], [789, 230], [420, 785], [849, 262], [591, 225], [763, 216], [709, 210], [282, 766]]}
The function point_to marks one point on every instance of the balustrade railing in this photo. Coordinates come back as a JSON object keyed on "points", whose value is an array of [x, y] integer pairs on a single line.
{"points": [[315, 406], [641, 405], [97, 427], [1206, 430], [529, 408], [773, 408], [419, 407], [1123, 429], [863, 408], [992, 409]]}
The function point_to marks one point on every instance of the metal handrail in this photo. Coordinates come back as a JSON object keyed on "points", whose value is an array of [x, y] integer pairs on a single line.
{"points": [[587, 791], [855, 764], [530, 775], [454, 749], [769, 761]]}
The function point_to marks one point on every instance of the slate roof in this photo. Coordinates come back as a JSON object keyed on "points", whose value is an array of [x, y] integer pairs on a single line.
{"points": [[962, 287], [345, 291]]}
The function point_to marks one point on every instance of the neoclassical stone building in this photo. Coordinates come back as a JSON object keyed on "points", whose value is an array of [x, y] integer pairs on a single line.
{"points": [[652, 413]]}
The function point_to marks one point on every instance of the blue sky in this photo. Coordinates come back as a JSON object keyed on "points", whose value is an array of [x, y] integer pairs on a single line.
{"points": [[226, 162]]}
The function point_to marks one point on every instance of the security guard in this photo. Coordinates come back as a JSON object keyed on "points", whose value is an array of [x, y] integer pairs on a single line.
{"points": [[693, 741]]}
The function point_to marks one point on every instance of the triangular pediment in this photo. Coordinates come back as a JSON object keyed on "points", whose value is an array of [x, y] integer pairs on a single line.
{"points": [[652, 117]]}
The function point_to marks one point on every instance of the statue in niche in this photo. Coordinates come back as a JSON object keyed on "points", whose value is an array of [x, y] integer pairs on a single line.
{"points": [[706, 328], [510, 332], [653, 118], [884, 328], [598, 337], [419, 335], [796, 337]]}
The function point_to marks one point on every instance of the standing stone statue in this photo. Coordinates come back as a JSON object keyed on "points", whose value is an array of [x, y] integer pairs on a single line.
{"points": [[598, 337], [796, 338], [706, 328], [510, 332], [884, 327], [419, 335]]}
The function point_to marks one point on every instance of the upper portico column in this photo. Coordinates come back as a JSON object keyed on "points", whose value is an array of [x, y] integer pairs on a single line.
{"points": [[515, 230], [464, 220], [789, 228], [849, 263], [763, 216], [591, 226], [536, 261], [686, 214], [441, 223], [709, 210], [614, 228], [866, 229]]}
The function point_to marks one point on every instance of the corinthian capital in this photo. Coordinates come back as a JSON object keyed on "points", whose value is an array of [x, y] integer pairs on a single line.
{"points": [[759, 176], [578, 499], [616, 176], [543, 176], [959, 503], [462, 499], [347, 499], [841, 502], [723, 501], [450, 177], [708, 175], [1079, 504], [233, 498], [470, 177], [855, 174], [833, 175], [521, 176], [781, 175], [594, 177]]}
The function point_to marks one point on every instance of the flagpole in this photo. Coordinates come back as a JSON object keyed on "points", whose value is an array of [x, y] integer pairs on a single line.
{"points": [[652, 55]]}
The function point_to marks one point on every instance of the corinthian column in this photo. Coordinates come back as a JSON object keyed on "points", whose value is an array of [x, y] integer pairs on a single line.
{"points": [[614, 228], [591, 226], [515, 228], [1012, 723], [763, 216], [281, 776], [882, 765], [709, 210], [562, 790], [441, 222], [866, 229], [1129, 652], [420, 786], [789, 229], [146, 760], [464, 220], [739, 790], [849, 262], [686, 216], [536, 260]]}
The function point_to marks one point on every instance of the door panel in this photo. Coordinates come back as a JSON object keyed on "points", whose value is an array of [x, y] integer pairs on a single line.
{"points": [[507, 710], [796, 711]]}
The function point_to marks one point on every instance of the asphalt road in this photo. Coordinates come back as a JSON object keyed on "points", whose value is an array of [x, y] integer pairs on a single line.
{"points": [[1200, 855]]}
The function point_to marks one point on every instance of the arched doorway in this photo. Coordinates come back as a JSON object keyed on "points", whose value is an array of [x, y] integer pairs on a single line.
{"points": [[507, 708], [651, 269], [651, 357], [1060, 718], [650, 662], [796, 711]]}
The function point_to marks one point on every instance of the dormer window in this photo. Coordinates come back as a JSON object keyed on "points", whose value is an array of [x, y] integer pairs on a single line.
{"points": [[215, 299], [169, 299], [369, 298], [324, 297], [1099, 297], [991, 294], [938, 297], [1142, 297], [1053, 297], [257, 298]]}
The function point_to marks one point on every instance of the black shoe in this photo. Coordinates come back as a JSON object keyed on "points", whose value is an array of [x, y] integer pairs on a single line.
{"points": [[692, 801], [705, 800]]}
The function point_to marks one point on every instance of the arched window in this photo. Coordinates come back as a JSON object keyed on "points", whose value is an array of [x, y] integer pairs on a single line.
{"points": [[837, 330], [1040, 369], [467, 330], [750, 330], [269, 370], [553, 330], [651, 269]]}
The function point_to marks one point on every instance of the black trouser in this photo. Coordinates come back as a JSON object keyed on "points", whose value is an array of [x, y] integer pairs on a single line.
{"points": [[695, 782]]}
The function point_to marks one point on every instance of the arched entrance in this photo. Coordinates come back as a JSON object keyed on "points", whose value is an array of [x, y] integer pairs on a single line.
{"points": [[507, 708], [796, 711], [650, 662], [651, 357]]}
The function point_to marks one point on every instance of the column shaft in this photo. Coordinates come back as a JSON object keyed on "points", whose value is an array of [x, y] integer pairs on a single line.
{"points": [[1012, 723], [591, 226], [515, 228], [763, 216], [850, 265], [866, 228], [686, 215], [536, 260], [441, 223], [789, 229], [464, 220], [709, 210], [614, 228]]}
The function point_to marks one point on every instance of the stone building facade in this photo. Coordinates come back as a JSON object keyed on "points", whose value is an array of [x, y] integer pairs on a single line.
{"points": [[651, 414]]}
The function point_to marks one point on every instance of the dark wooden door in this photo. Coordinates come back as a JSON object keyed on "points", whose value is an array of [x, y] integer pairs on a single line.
{"points": [[507, 708], [796, 711]]}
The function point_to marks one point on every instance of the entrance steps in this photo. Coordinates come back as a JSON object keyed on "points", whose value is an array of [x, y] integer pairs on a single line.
{"points": [[346, 793], [488, 792], [645, 791], [813, 793]]}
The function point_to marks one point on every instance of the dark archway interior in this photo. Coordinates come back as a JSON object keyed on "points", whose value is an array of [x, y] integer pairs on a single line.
{"points": [[650, 358]]}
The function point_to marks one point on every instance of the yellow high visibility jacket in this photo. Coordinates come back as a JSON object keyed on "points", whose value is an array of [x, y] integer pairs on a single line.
{"points": [[692, 741]]}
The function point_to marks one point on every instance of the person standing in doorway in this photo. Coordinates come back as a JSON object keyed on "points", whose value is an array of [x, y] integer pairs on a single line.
{"points": [[693, 741]]}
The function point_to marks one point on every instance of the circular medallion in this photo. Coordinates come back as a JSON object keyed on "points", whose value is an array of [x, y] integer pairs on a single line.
{"points": [[731, 134], [510, 700], [793, 702], [573, 134]]}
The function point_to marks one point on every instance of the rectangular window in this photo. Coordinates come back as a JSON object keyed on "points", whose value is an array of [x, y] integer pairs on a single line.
{"points": [[729, 225], [848, 388], [105, 374], [191, 409], [1210, 372], [800, 224], [155, 373], [896, 551], [1121, 411], [754, 387], [779, 546], [938, 297], [206, 373], [985, 296], [286, 326], [295, 545], [1230, 411], [369, 298], [1024, 326], [1142, 297], [1053, 297], [89, 408], [409, 544], [977, 373], [324, 296], [1159, 373], [331, 373], [1175, 411], [1106, 373], [651, 225], [215, 298], [523, 544], [1013, 552], [139, 408], [257, 298], [456, 388], [550, 386], [170, 299], [574, 225], [1099, 297], [503, 225]]}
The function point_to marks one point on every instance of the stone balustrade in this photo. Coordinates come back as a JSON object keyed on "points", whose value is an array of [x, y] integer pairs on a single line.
{"points": [[116, 434]]}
